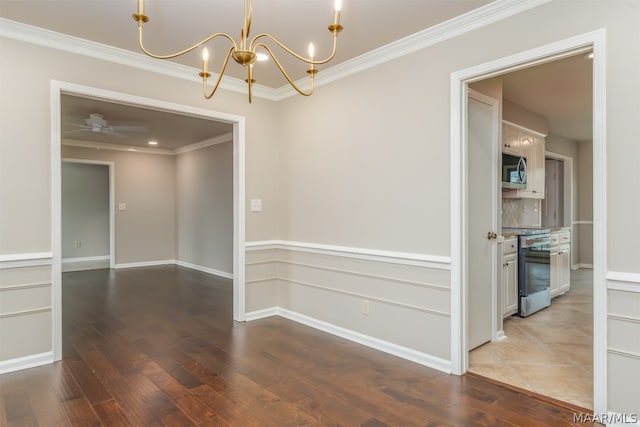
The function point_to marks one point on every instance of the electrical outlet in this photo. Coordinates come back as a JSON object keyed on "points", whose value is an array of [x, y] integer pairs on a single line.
{"points": [[77, 243], [365, 307]]}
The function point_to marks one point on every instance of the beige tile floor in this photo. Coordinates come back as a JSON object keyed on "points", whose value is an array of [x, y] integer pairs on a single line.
{"points": [[550, 352]]}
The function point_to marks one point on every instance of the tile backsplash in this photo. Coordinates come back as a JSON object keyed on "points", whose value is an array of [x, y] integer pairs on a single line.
{"points": [[521, 213]]}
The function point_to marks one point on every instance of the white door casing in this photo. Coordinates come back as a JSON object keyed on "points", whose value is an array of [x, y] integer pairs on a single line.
{"points": [[596, 42], [238, 122]]}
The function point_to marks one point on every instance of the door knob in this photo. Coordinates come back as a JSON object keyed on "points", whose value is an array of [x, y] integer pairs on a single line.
{"points": [[491, 235]]}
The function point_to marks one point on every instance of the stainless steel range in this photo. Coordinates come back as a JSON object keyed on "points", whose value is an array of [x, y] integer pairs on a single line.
{"points": [[534, 270]]}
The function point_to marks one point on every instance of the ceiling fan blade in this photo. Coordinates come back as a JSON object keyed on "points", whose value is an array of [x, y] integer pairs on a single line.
{"points": [[128, 128], [113, 133]]}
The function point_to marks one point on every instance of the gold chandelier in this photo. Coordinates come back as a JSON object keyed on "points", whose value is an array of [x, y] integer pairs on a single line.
{"points": [[244, 52]]}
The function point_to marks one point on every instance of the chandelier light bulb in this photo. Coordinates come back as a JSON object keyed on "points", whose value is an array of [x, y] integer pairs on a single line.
{"points": [[337, 5], [312, 51], [205, 54]]}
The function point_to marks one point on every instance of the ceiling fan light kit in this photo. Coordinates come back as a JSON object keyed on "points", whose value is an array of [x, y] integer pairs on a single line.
{"points": [[245, 52]]}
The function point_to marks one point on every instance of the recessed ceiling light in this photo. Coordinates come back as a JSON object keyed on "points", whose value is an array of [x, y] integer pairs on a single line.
{"points": [[131, 149], [262, 57], [153, 142], [589, 55]]}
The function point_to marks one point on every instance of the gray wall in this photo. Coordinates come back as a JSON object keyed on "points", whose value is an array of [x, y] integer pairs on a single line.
{"points": [[85, 210], [582, 201], [376, 173], [204, 180], [146, 230]]}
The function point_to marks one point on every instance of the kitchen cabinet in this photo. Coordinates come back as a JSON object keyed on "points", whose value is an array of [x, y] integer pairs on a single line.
{"points": [[511, 140], [509, 277], [529, 144], [560, 262]]}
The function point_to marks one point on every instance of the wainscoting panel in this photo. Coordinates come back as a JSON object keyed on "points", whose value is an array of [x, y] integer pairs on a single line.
{"points": [[624, 372], [623, 336], [25, 311], [404, 325], [24, 298], [261, 279], [399, 299]]}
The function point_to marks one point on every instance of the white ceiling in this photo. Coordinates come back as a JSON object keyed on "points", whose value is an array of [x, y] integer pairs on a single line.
{"points": [[170, 130], [561, 91]]}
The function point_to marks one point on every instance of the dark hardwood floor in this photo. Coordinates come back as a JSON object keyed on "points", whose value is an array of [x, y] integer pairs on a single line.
{"points": [[158, 346]]}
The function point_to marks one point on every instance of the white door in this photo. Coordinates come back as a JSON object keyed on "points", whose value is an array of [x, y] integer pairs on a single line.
{"points": [[482, 185]]}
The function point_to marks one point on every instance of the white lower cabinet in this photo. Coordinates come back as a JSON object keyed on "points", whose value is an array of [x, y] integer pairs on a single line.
{"points": [[564, 269], [560, 263], [509, 277]]}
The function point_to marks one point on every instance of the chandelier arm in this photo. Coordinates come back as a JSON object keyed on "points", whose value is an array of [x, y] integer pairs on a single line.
{"points": [[254, 45], [284, 73], [218, 80], [187, 50]]}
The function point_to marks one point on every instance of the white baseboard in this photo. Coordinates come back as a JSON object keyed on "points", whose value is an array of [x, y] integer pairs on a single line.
{"points": [[86, 259], [261, 314], [378, 344], [500, 336], [86, 263], [205, 269], [145, 264], [581, 265], [178, 263], [26, 362]]}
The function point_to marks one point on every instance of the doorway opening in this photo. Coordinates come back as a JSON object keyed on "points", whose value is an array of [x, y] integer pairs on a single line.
{"points": [[237, 137], [87, 198], [460, 203]]}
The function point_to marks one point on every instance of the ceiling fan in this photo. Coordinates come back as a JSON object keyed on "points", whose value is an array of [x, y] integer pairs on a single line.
{"points": [[97, 123]]}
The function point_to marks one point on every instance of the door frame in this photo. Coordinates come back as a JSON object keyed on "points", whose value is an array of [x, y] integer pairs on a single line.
{"points": [[57, 89], [594, 41], [112, 203]]}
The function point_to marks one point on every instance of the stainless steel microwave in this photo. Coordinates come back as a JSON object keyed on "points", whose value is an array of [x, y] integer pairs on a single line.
{"points": [[514, 171]]}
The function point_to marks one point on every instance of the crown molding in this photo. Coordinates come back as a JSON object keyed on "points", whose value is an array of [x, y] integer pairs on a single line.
{"points": [[474, 19], [477, 18], [227, 137], [115, 147], [40, 36]]}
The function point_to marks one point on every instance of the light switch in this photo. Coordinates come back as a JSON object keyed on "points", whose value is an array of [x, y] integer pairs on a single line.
{"points": [[256, 205], [122, 206]]}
